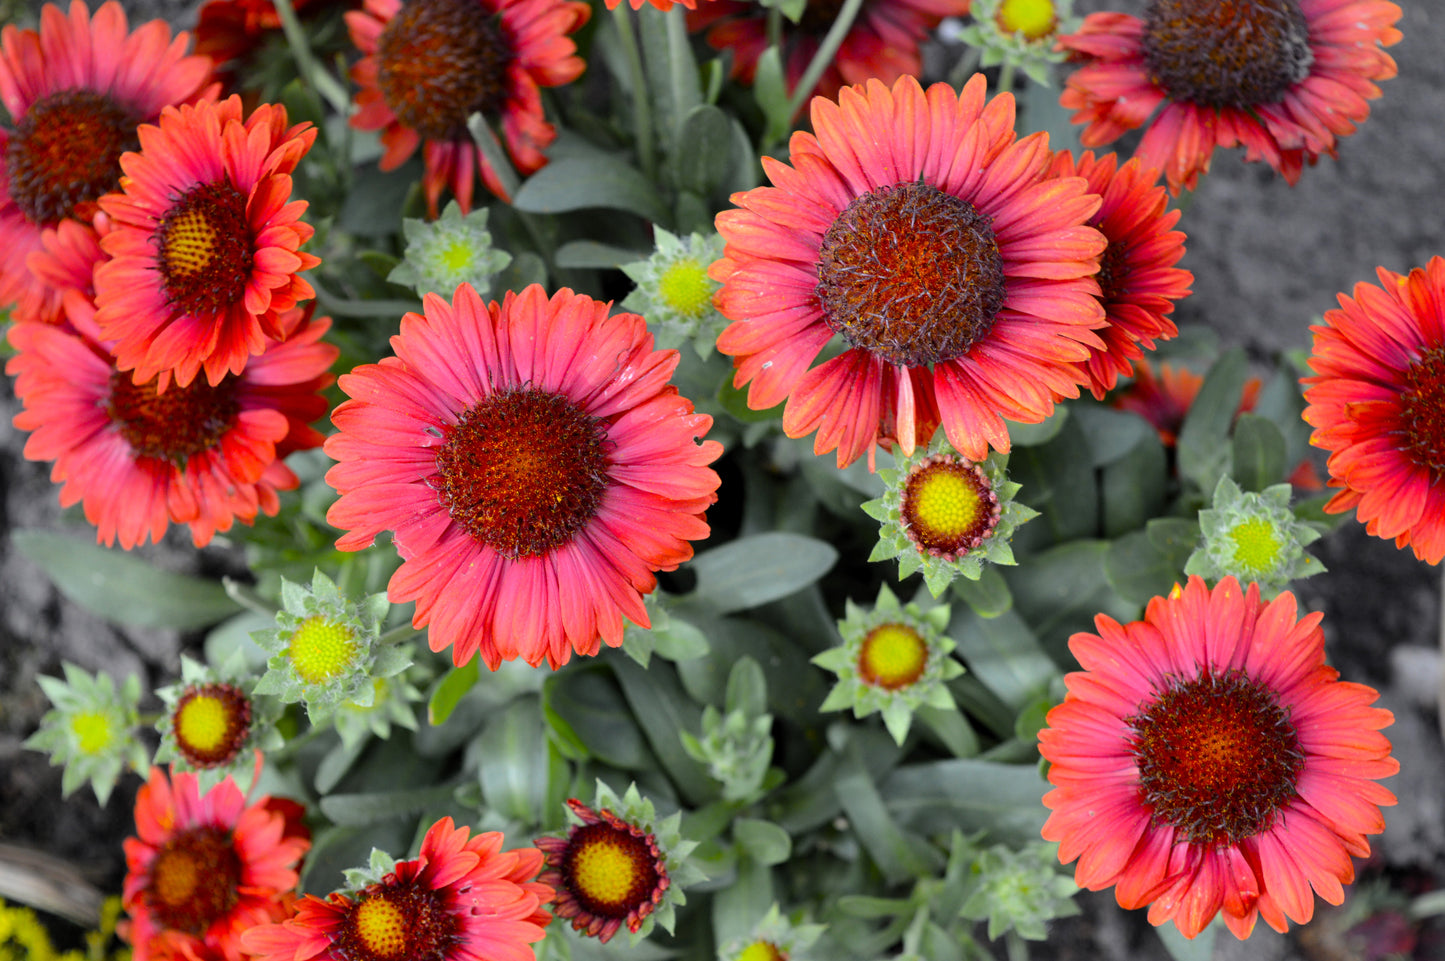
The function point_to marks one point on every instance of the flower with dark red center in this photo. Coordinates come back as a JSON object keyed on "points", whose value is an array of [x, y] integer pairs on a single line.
{"points": [[962, 292], [461, 899], [1377, 403], [1138, 282], [205, 250], [883, 42], [210, 722], [428, 65], [535, 466], [75, 90], [1206, 761], [205, 867], [139, 460], [1285, 79]]}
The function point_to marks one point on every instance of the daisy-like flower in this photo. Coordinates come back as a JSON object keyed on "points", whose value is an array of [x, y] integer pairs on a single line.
{"points": [[206, 866], [618, 865], [1377, 403], [461, 899], [449, 251], [139, 460], [1138, 281], [1285, 79], [76, 91], [90, 729], [205, 250], [894, 659], [1207, 760], [674, 291], [1021, 34], [883, 42], [1164, 400], [428, 65], [956, 271], [775, 938], [213, 724], [1254, 537], [535, 466]]}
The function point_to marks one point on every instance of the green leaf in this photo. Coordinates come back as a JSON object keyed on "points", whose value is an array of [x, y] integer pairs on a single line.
{"points": [[1004, 654], [586, 254], [1147, 563], [456, 683], [747, 688], [1006, 800], [1057, 480], [1060, 590], [898, 854], [585, 707], [336, 764], [123, 588], [770, 89], [1135, 487], [1203, 446], [363, 809], [373, 205], [758, 569], [1259, 453], [764, 841], [514, 761], [659, 702], [1111, 434], [703, 158], [1031, 435], [602, 180], [1180, 948], [988, 596]]}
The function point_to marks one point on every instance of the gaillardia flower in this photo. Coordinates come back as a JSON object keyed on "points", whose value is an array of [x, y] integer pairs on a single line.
{"points": [[956, 271], [1285, 79], [1020, 33], [76, 92], [1138, 282], [454, 249], [428, 65], [206, 867], [1377, 403], [1254, 537], [1207, 760], [461, 899], [883, 42], [675, 293], [205, 250], [535, 466], [138, 459], [90, 729], [213, 723], [618, 865]]}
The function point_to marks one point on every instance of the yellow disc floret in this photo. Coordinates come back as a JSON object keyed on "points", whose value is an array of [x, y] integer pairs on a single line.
{"points": [[94, 731], [203, 723], [762, 951], [606, 870], [893, 656], [684, 288], [321, 650], [381, 926], [190, 243], [947, 504], [1257, 545], [1035, 19]]}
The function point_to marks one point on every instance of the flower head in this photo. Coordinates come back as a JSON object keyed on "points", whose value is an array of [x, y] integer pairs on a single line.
{"points": [[205, 256], [76, 91], [213, 724], [894, 658], [618, 865], [448, 252], [90, 729], [462, 898], [205, 866], [1207, 761], [945, 515], [674, 291], [1285, 79], [775, 938], [1376, 399], [428, 65], [535, 466], [1164, 400], [1254, 537], [1020, 33], [962, 292]]}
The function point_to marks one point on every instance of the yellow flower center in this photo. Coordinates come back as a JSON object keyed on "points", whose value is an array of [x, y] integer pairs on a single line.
{"points": [[1034, 19], [948, 506], [893, 656], [1256, 545], [93, 731], [206, 250], [684, 288], [321, 650], [203, 722], [762, 951], [174, 876], [381, 926], [606, 870], [190, 243], [457, 256], [947, 503]]}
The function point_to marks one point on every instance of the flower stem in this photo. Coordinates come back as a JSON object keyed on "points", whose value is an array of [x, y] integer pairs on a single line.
{"points": [[826, 51], [398, 635], [320, 81], [1006, 78], [966, 67], [641, 103], [248, 598], [486, 140]]}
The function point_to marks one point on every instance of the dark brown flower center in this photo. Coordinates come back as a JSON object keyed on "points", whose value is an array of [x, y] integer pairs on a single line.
{"points": [[65, 152], [397, 920], [1113, 271], [611, 871], [211, 722], [948, 507], [523, 471], [439, 62], [176, 424], [206, 250], [1217, 758], [1226, 53], [194, 879], [818, 15], [911, 274], [1422, 410]]}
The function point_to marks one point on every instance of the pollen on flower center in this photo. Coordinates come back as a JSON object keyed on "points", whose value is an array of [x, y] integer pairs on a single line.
{"points": [[440, 61], [1034, 19], [211, 722], [610, 870], [1422, 409], [684, 287], [893, 656], [194, 879], [65, 152], [205, 250], [910, 274], [948, 506], [1217, 757], [175, 425], [523, 470], [321, 650], [1257, 544], [762, 951], [1226, 53], [396, 920], [93, 731]]}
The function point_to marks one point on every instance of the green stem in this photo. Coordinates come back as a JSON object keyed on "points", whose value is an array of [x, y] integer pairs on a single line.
{"points": [[335, 304], [486, 140], [826, 51], [966, 67], [318, 80], [1018, 948], [641, 102], [398, 635], [248, 598], [1006, 77]]}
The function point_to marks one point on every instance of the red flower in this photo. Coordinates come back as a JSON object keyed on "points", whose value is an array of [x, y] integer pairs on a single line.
{"points": [[1285, 79], [535, 465], [607, 871], [1207, 761]]}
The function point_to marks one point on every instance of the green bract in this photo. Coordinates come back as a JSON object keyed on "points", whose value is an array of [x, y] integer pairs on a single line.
{"points": [[1030, 45], [1018, 890], [1254, 537], [674, 291], [388, 702], [788, 937], [90, 730], [449, 251]]}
